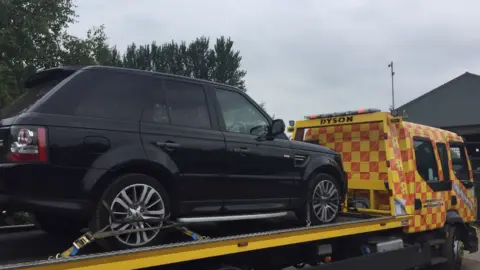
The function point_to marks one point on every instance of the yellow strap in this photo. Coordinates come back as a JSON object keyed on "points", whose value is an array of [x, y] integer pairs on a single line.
{"points": [[67, 253]]}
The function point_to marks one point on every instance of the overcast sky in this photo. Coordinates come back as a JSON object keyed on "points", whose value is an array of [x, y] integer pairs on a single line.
{"points": [[305, 57]]}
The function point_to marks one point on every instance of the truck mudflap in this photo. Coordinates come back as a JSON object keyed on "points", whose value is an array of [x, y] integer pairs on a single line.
{"points": [[471, 238]]}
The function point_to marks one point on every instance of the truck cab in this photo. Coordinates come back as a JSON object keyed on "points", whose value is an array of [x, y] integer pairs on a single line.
{"points": [[396, 167]]}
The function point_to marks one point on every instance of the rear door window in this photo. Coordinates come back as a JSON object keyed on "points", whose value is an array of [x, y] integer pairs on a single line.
{"points": [[187, 104], [156, 109]]}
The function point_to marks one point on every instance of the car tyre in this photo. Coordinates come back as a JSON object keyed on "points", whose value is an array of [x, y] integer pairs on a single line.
{"points": [[131, 196], [323, 199]]}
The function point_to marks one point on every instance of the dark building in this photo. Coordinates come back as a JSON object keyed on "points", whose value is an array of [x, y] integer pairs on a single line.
{"points": [[453, 106]]}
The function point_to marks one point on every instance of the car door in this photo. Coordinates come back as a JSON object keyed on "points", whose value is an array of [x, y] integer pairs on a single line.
{"points": [[179, 129], [260, 172]]}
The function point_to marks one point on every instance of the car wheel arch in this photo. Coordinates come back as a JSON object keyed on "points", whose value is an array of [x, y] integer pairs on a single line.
{"points": [[147, 167], [327, 169]]}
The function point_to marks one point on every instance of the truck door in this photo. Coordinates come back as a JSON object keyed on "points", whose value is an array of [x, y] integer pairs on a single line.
{"points": [[432, 184], [462, 182]]}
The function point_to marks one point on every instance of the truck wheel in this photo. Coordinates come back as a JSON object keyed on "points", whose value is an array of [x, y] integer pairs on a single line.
{"points": [[452, 250], [323, 198], [131, 197]]}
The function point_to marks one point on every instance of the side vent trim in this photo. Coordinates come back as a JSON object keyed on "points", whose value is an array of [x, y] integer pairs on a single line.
{"points": [[300, 160]]}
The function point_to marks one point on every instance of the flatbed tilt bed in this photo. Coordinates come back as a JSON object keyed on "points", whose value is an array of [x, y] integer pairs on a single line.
{"points": [[170, 254]]}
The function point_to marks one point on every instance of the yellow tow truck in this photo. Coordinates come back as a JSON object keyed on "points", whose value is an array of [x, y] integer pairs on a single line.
{"points": [[411, 203]]}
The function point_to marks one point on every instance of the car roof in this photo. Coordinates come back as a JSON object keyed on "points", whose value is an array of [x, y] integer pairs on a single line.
{"points": [[71, 69]]}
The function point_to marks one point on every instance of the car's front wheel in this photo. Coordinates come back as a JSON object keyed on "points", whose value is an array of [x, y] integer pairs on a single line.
{"points": [[132, 197], [323, 200]]}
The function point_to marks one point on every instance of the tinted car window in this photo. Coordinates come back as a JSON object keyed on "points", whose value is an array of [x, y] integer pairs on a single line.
{"points": [[425, 160], [23, 102], [45, 81], [187, 104], [239, 114], [156, 109], [109, 94]]}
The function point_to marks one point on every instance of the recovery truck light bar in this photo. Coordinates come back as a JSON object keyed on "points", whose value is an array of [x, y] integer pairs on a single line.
{"points": [[326, 115]]}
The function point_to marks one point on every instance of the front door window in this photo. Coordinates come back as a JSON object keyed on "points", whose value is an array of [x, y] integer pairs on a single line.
{"points": [[239, 115]]}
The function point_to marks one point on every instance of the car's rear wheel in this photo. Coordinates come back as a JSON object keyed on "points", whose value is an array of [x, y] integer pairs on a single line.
{"points": [[323, 200], [132, 197]]}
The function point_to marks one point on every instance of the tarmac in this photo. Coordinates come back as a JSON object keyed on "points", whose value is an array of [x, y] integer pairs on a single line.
{"points": [[472, 261]]}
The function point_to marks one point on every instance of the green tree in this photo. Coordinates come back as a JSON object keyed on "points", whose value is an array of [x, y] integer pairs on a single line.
{"points": [[197, 61], [93, 50], [31, 32], [226, 64], [33, 35], [220, 63]]}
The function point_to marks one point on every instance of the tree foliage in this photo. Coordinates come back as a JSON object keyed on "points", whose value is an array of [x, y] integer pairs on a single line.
{"points": [[196, 59], [33, 36]]}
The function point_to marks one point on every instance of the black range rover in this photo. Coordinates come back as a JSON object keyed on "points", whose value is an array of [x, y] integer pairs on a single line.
{"points": [[152, 146]]}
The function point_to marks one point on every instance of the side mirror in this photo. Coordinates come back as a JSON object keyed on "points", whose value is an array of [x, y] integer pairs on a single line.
{"points": [[278, 127]]}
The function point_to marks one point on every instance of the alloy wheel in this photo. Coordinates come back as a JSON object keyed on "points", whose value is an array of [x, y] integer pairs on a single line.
{"points": [[325, 201], [137, 202]]}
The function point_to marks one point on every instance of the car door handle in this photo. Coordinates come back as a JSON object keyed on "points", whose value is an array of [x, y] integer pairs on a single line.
{"points": [[241, 150], [168, 145]]}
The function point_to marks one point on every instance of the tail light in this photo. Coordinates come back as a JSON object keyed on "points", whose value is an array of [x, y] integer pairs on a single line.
{"points": [[29, 144]]}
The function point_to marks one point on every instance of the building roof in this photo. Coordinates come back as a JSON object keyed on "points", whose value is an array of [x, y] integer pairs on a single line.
{"points": [[455, 103]]}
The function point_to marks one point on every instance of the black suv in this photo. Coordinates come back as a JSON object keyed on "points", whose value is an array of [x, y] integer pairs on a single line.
{"points": [[93, 145]]}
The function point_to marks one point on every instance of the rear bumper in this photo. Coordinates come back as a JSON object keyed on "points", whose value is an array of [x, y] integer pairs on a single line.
{"points": [[43, 188], [48, 206]]}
